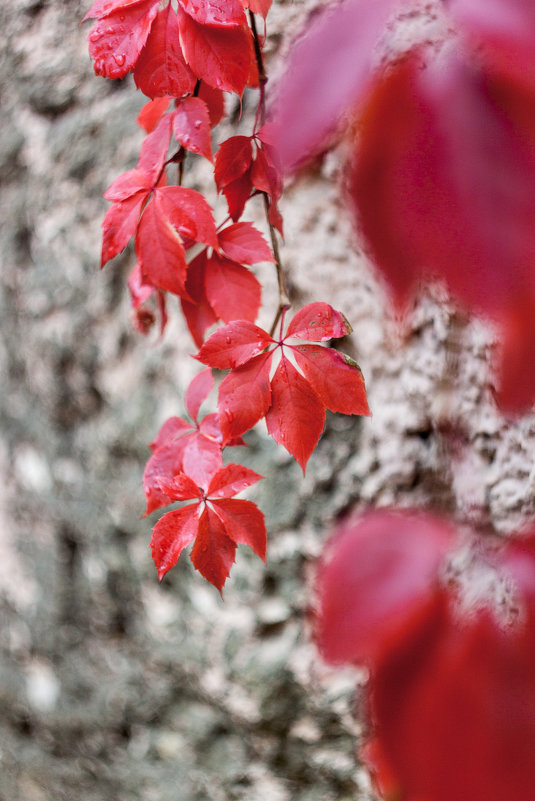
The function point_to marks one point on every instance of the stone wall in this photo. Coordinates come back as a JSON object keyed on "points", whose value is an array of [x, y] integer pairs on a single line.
{"points": [[111, 685]]}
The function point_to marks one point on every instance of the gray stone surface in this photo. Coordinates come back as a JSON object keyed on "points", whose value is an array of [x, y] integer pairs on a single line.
{"points": [[111, 685]]}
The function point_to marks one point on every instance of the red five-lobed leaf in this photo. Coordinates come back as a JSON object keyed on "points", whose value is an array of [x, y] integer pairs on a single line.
{"points": [[217, 522], [292, 402]]}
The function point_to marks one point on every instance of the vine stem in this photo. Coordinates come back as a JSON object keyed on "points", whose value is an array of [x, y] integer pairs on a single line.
{"points": [[284, 301]]}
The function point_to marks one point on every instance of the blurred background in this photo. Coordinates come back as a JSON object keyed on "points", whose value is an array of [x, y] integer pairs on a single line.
{"points": [[113, 686]]}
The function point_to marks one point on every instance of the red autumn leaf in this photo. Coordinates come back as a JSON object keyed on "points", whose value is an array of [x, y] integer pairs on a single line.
{"points": [[155, 147], [293, 408], [336, 378], [161, 69], [234, 344], [376, 583], [230, 480], [215, 12], [128, 184], [244, 523], [504, 29], [328, 71], [119, 225], [232, 290], [454, 711], [198, 390], [450, 192], [296, 416], [197, 311], [237, 194], [221, 56], [116, 40], [453, 194], [318, 322], [244, 243], [101, 8], [232, 160], [139, 292], [191, 126], [160, 250], [214, 551], [173, 214], [144, 318], [217, 528], [245, 396], [190, 214], [182, 447], [152, 112], [215, 101], [171, 534]]}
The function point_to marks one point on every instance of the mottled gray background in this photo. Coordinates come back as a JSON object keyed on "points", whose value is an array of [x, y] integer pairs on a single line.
{"points": [[113, 687]]}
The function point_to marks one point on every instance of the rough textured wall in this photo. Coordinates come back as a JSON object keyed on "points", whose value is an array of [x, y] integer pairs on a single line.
{"points": [[115, 687]]}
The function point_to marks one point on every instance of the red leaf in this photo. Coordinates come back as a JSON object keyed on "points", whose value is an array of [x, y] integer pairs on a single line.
{"points": [[139, 292], [230, 480], [455, 712], [151, 113], [245, 396], [296, 416], [198, 313], [191, 126], [244, 243], [244, 523], [294, 411], [163, 464], [452, 193], [161, 69], [180, 487], [215, 101], [505, 29], [335, 378], [189, 213], [128, 184], [232, 160], [233, 345], [237, 194], [214, 552], [159, 248], [215, 12], [171, 431], [201, 457], [328, 71], [219, 56], [198, 390], [376, 584], [232, 290], [171, 534], [318, 322], [516, 390], [116, 41], [119, 225], [154, 149], [101, 8]]}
